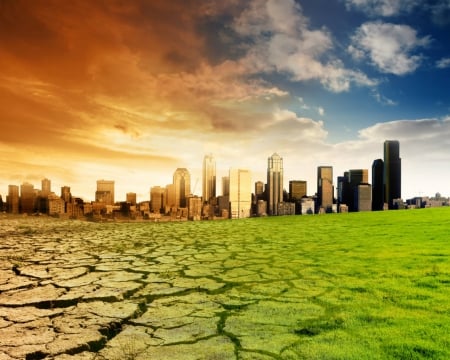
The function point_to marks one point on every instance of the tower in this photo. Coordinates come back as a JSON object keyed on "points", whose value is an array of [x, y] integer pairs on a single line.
{"points": [[12, 199], [240, 193], [27, 198], [377, 185], [45, 188], [325, 187], [274, 183], [392, 172], [182, 184], [209, 178], [355, 178]]}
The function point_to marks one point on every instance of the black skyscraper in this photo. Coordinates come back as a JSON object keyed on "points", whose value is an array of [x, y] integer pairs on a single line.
{"points": [[392, 172], [377, 185]]}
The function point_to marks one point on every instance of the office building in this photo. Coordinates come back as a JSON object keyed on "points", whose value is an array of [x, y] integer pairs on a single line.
{"points": [[392, 172], [209, 178], [363, 198], [259, 191], [195, 204], [105, 192], [27, 198], [356, 177], [325, 187], [131, 198], [225, 185], [45, 187], [240, 193], [13, 199], [343, 189], [377, 185], [182, 183], [65, 194], [297, 189], [56, 205], [157, 199], [169, 198], [274, 183]]}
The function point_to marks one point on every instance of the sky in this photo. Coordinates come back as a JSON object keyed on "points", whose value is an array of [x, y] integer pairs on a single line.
{"points": [[131, 90]]}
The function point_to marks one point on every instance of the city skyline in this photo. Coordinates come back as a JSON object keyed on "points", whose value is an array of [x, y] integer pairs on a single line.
{"points": [[131, 91]]}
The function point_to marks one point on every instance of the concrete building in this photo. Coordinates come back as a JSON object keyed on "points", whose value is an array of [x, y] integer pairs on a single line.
{"points": [[363, 198], [13, 199], [274, 183], [131, 198], [105, 192], [240, 193], [377, 185], [392, 173], [65, 194], [195, 205], [325, 187], [182, 184], [259, 191], [157, 199], [209, 178], [297, 189], [27, 198], [286, 208], [307, 206], [56, 205]]}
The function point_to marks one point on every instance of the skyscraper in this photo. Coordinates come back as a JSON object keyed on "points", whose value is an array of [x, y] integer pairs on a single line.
{"points": [[209, 178], [182, 183], [240, 193], [377, 185], [325, 187], [225, 185], [27, 198], [392, 172], [45, 188], [105, 192], [274, 183], [259, 190], [157, 198], [355, 178], [12, 199]]}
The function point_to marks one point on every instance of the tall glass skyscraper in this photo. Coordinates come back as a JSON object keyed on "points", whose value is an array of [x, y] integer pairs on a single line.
{"points": [[392, 172], [209, 178], [240, 193], [274, 183]]}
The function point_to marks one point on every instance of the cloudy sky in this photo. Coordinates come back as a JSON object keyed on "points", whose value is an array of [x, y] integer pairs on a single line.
{"points": [[131, 90]]}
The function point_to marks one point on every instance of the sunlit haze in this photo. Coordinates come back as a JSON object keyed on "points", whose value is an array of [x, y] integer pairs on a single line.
{"points": [[131, 90]]}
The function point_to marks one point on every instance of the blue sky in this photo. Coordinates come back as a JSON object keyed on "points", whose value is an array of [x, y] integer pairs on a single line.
{"points": [[131, 91]]}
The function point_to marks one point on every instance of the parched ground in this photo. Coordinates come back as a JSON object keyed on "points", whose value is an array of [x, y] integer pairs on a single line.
{"points": [[217, 290]]}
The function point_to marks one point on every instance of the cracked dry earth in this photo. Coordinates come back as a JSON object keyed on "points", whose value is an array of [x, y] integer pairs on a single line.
{"points": [[80, 290]]}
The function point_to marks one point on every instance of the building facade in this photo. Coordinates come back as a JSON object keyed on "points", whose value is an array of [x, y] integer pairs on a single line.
{"points": [[209, 178], [27, 198], [377, 185], [325, 187], [182, 183], [157, 199], [274, 183], [392, 172], [105, 192], [13, 199], [240, 193]]}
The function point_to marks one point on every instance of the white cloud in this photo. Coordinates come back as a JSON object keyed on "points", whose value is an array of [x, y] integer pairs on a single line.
{"points": [[390, 47], [321, 111], [443, 63], [280, 39], [383, 99], [383, 7]]}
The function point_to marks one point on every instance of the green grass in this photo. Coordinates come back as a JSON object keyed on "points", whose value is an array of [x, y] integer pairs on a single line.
{"points": [[385, 283]]}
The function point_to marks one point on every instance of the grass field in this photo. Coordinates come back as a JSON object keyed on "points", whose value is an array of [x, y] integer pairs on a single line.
{"points": [[338, 286]]}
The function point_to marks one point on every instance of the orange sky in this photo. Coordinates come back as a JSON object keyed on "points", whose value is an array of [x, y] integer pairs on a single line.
{"points": [[131, 90]]}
